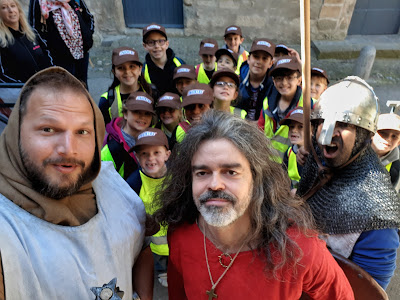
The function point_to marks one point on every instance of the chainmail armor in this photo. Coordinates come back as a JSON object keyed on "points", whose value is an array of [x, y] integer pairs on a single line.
{"points": [[359, 197]]}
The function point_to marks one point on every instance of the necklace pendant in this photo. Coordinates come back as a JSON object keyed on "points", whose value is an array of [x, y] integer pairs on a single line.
{"points": [[211, 294], [223, 259]]}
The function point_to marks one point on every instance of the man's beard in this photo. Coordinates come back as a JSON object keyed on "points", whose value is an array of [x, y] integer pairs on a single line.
{"points": [[43, 185], [220, 216]]}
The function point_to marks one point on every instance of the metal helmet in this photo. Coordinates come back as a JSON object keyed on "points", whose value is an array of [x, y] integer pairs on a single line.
{"points": [[352, 101]]}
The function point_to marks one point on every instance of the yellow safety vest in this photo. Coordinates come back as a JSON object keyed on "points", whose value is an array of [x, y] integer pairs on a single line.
{"points": [[180, 133], [242, 58], [280, 138], [146, 69], [238, 111], [201, 73], [388, 167], [113, 108], [293, 171], [106, 156], [159, 243]]}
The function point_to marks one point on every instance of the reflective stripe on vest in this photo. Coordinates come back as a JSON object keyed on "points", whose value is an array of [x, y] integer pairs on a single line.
{"points": [[293, 171], [280, 138], [146, 69], [388, 167], [242, 58], [238, 111], [201, 73]]}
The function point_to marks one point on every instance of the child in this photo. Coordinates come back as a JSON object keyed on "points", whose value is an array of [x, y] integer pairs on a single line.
{"points": [[385, 143], [226, 58], [152, 151], [184, 75], [280, 50], [121, 132], [204, 71], [319, 82], [225, 85], [170, 114], [284, 96], [233, 40], [254, 79], [197, 99], [294, 121], [160, 60], [128, 78]]}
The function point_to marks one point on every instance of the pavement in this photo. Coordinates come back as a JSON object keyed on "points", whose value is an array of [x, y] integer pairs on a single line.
{"points": [[337, 57]]}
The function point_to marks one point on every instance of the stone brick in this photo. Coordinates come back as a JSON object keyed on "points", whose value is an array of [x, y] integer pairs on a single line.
{"points": [[207, 3], [334, 1], [326, 25], [256, 21], [330, 12]]}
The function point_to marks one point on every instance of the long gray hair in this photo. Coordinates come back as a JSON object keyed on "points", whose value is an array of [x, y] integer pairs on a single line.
{"points": [[273, 208]]}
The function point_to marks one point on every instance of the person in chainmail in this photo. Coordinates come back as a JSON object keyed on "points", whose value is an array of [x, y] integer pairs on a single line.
{"points": [[348, 190]]}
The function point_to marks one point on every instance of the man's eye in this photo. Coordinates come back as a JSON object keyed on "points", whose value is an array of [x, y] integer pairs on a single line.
{"points": [[83, 131], [232, 172], [200, 173], [47, 129]]}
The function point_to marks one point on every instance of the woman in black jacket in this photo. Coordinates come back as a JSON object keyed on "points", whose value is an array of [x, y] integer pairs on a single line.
{"points": [[67, 26], [22, 51]]}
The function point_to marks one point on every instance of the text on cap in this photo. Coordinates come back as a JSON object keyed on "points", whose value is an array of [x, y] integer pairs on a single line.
{"points": [[153, 27], [181, 70], [143, 98], [146, 134], [297, 111], [209, 45], [318, 70], [195, 92], [126, 52], [231, 28], [166, 98], [264, 43], [283, 61]]}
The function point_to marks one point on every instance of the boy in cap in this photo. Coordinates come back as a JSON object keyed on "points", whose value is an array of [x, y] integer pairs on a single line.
{"points": [[233, 40], [160, 60], [294, 121], [284, 96], [319, 82], [170, 114], [152, 152], [138, 113], [205, 70], [225, 85], [385, 143], [196, 100], [254, 79], [226, 58], [184, 75], [280, 50]]}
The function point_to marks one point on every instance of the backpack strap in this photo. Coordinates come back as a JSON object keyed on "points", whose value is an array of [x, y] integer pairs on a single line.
{"points": [[110, 97], [121, 157], [135, 181]]}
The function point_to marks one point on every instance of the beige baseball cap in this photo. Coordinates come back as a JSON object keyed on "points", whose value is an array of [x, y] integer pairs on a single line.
{"points": [[389, 121]]}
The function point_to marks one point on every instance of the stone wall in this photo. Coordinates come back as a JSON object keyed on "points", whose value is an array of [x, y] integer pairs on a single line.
{"points": [[278, 20]]}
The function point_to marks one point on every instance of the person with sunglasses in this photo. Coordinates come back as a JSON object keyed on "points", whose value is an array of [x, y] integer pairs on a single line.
{"points": [[161, 61], [197, 98], [225, 85], [169, 113]]}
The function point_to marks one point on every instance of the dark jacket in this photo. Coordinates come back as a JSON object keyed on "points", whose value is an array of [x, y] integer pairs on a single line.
{"points": [[245, 90], [49, 30], [162, 78], [22, 59]]}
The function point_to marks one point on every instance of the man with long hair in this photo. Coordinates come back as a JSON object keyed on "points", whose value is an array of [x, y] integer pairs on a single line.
{"points": [[236, 232]]}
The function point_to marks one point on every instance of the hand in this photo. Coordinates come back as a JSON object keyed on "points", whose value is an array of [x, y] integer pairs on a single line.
{"points": [[293, 52], [301, 156]]}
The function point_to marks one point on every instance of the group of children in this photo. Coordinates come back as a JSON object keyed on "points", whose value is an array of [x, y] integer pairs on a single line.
{"points": [[262, 86]]}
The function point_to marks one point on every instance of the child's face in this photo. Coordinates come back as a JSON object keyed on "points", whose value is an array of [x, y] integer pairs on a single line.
{"points": [[127, 73], [385, 141], [138, 120], [168, 115], [181, 83], [152, 160], [233, 41], [286, 83], [208, 61], [157, 51], [224, 61], [193, 112], [296, 133], [225, 92], [259, 63], [318, 86]]}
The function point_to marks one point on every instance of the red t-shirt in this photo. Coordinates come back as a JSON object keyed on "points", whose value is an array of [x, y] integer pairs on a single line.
{"points": [[318, 274]]}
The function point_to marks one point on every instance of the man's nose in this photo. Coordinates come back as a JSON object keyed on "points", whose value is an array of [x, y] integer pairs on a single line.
{"points": [[216, 182], [66, 144]]}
